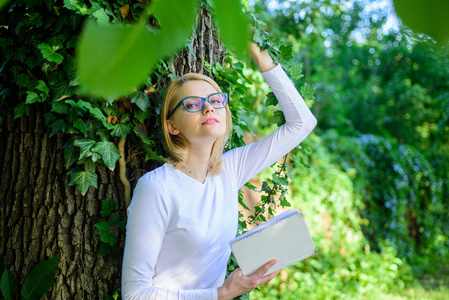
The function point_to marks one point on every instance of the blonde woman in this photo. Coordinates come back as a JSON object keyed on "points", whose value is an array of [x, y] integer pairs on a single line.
{"points": [[184, 213]]}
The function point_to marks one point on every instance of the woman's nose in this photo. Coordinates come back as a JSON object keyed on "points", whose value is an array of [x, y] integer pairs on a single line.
{"points": [[207, 107]]}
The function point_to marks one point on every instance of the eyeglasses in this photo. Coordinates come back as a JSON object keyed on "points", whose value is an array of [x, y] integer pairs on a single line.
{"points": [[195, 103]]}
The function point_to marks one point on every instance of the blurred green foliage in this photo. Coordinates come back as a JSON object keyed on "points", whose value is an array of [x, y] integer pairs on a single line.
{"points": [[377, 190]]}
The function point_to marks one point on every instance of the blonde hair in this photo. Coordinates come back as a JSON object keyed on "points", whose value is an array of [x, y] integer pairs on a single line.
{"points": [[176, 145]]}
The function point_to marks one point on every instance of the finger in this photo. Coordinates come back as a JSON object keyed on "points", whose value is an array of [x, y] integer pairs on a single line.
{"points": [[264, 269], [268, 277]]}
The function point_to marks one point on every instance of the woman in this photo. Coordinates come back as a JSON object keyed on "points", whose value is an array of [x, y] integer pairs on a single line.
{"points": [[184, 213]]}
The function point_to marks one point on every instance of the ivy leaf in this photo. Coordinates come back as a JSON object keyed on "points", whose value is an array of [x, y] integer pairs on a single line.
{"points": [[233, 26], [115, 58], [308, 92], [40, 279], [41, 86], [286, 52], [58, 125], [106, 235], [302, 161], [83, 180], [151, 154], [8, 285], [94, 111], [141, 135], [296, 71], [109, 153], [32, 97], [141, 99], [95, 157], [278, 118], [85, 146], [49, 53], [21, 109], [102, 17], [49, 117], [81, 126], [107, 206], [104, 134], [61, 89], [59, 107], [71, 153], [102, 250], [121, 130], [271, 99]]}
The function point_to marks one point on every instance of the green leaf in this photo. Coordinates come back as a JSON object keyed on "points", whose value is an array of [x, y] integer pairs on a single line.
{"points": [[8, 285], [106, 235], [61, 89], [104, 134], [308, 92], [109, 153], [141, 115], [32, 97], [141, 99], [56, 126], [141, 135], [71, 153], [21, 109], [81, 126], [107, 206], [94, 111], [89, 165], [296, 71], [121, 130], [85, 146], [102, 17], [233, 26], [42, 86], [286, 52], [151, 154], [40, 279], [50, 54], [83, 180], [425, 17], [104, 248], [49, 117], [59, 107], [114, 59], [271, 99], [3, 3], [301, 160], [278, 118]]}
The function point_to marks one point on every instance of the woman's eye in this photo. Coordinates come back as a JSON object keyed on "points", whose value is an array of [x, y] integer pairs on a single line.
{"points": [[192, 105], [215, 101]]}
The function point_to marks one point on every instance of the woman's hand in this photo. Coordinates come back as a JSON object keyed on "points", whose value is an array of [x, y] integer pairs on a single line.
{"points": [[237, 284], [262, 59]]}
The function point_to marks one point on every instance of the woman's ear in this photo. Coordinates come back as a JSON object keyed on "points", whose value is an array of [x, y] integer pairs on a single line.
{"points": [[172, 129]]}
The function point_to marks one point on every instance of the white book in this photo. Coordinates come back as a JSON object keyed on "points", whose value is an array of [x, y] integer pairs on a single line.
{"points": [[284, 237]]}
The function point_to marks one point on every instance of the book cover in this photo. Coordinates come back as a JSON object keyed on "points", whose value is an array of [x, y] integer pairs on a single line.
{"points": [[285, 237]]}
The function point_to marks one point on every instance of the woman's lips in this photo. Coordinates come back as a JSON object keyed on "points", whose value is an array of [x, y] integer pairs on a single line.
{"points": [[210, 121]]}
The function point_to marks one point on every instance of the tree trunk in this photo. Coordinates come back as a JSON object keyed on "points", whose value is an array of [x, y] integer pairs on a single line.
{"points": [[41, 215]]}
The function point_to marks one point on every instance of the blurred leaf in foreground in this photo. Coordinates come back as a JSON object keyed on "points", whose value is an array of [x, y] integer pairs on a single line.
{"points": [[113, 59], [429, 17], [232, 24]]}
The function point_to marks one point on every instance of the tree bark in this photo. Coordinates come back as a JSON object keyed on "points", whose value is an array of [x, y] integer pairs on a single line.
{"points": [[41, 215]]}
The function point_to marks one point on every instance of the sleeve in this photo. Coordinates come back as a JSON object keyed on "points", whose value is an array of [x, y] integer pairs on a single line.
{"points": [[148, 217], [299, 122]]}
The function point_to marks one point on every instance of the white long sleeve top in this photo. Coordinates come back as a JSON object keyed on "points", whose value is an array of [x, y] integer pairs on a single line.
{"points": [[178, 230]]}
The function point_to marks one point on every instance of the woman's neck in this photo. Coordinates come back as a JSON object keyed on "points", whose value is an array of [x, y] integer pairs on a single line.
{"points": [[197, 164]]}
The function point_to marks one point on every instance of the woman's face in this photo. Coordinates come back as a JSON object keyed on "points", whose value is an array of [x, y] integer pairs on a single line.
{"points": [[204, 126]]}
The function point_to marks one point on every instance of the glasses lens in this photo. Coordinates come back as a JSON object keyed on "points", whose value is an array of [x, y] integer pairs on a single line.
{"points": [[218, 100], [193, 104]]}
